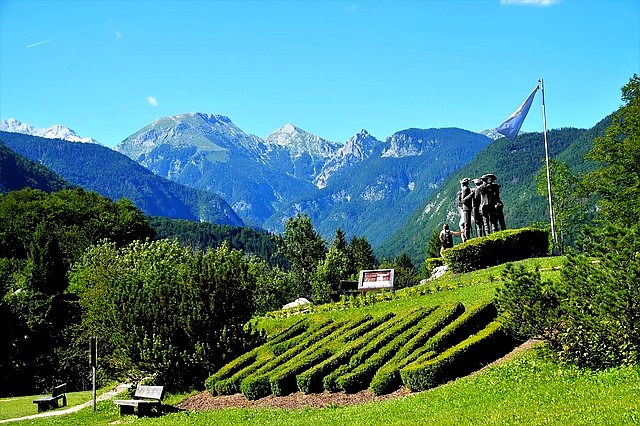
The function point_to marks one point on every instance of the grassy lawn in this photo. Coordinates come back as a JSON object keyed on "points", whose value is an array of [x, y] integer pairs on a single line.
{"points": [[23, 405], [529, 390]]}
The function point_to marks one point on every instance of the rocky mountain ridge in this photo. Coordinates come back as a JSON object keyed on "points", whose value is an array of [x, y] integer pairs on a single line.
{"points": [[57, 131]]}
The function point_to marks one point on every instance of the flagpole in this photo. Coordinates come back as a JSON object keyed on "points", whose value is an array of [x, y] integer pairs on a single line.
{"points": [[546, 152]]}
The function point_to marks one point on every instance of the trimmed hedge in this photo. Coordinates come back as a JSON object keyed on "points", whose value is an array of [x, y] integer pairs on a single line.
{"points": [[470, 322], [221, 383], [283, 381], [497, 248], [283, 377], [311, 381], [359, 377], [389, 334], [387, 378], [230, 369], [253, 387], [231, 385], [362, 363], [467, 356]]}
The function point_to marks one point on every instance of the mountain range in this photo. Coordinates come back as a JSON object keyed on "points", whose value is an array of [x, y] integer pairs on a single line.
{"points": [[395, 192]]}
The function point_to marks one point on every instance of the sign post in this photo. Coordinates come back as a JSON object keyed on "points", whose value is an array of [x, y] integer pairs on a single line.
{"points": [[93, 362]]}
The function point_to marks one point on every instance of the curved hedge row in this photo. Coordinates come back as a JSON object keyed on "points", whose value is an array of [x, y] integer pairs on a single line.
{"points": [[264, 354], [310, 381], [420, 348], [282, 379], [256, 385], [497, 248], [250, 357], [341, 377], [387, 378], [473, 320], [467, 356]]}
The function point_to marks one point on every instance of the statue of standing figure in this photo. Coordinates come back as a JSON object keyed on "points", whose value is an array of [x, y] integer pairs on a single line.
{"points": [[465, 206], [491, 205], [477, 213]]}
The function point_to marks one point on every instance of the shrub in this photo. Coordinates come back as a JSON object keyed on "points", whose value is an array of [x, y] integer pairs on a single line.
{"points": [[499, 247], [388, 378], [283, 381], [359, 377], [312, 380], [254, 385], [528, 307], [282, 376], [467, 356], [474, 319]]}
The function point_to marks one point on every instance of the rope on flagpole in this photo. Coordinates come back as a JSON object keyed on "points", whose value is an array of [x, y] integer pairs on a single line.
{"points": [[554, 240]]}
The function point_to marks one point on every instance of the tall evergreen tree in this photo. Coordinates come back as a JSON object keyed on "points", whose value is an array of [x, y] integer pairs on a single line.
{"points": [[304, 248], [617, 178], [362, 255]]}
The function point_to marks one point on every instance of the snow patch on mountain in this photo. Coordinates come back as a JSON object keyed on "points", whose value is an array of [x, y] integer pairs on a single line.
{"points": [[54, 132]]}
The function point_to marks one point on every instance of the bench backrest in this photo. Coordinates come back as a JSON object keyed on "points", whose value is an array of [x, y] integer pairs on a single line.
{"points": [[59, 390], [149, 392]]}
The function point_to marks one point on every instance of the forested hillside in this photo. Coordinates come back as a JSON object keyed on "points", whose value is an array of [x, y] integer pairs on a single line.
{"points": [[97, 168], [17, 172], [203, 235]]}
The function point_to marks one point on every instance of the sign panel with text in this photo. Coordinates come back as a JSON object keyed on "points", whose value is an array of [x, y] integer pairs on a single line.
{"points": [[375, 279]]}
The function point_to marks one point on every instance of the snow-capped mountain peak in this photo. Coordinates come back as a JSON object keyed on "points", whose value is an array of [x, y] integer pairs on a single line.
{"points": [[54, 132]]}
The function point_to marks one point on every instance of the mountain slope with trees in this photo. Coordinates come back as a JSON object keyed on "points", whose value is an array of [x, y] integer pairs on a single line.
{"points": [[17, 172], [113, 175]]}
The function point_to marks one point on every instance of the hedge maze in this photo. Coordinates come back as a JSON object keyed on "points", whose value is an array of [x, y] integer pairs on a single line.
{"points": [[419, 349]]}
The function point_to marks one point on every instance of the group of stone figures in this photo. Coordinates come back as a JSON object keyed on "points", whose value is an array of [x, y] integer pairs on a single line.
{"points": [[484, 202]]}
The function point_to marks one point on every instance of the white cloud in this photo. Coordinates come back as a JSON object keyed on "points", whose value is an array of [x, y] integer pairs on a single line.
{"points": [[352, 8], [118, 34], [541, 3], [152, 101]]}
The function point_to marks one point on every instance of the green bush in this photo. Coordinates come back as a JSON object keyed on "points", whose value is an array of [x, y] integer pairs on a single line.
{"points": [[226, 380], [360, 376], [431, 263], [230, 369], [497, 248], [388, 378], [282, 376], [255, 387], [389, 334], [474, 319], [467, 356], [311, 381], [283, 381]]}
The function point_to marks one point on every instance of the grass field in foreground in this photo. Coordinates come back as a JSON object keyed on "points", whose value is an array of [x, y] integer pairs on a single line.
{"points": [[527, 390]]}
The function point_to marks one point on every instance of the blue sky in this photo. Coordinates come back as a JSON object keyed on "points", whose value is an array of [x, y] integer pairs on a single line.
{"points": [[108, 68]]}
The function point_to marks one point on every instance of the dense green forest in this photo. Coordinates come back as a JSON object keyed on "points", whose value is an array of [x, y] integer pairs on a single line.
{"points": [[203, 235], [17, 172]]}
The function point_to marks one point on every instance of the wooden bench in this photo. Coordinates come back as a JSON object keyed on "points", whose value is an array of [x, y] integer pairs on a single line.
{"points": [[146, 399], [50, 402]]}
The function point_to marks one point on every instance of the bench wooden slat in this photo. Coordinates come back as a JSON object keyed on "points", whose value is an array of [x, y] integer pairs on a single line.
{"points": [[49, 402], [153, 397]]}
